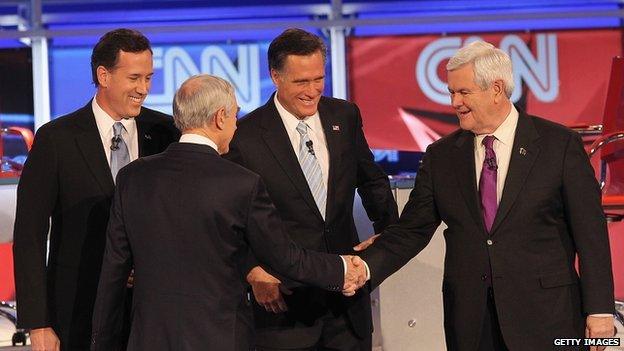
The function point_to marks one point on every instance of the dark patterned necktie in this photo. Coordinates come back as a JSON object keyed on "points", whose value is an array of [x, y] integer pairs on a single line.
{"points": [[487, 183]]}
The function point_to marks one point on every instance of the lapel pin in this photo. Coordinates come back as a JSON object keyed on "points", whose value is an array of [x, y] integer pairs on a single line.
{"points": [[336, 128], [148, 137], [522, 151]]}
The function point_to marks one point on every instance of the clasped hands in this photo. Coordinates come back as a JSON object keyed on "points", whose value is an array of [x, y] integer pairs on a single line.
{"points": [[268, 290], [355, 276]]}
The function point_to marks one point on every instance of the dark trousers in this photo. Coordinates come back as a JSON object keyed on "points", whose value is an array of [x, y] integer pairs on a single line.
{"points": [[332, 333], [491, 336]]}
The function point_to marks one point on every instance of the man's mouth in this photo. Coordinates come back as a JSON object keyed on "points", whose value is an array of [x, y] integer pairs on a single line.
{"points": [[307, 102], [138, 100], [463, 113]]}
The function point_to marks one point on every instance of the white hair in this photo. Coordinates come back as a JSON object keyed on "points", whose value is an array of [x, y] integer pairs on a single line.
{"points": [[198, 100], [489, 64]]}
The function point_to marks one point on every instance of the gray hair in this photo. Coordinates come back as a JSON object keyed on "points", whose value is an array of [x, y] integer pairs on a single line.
{"points": [[490, 64], [198, 100]]}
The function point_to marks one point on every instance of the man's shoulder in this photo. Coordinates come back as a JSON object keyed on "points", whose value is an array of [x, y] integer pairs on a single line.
{"points": [[336, 105], [449, 140], [155, 116], [66, 122], [206, 164], [253, 117], [251, 123], [545, 126]]}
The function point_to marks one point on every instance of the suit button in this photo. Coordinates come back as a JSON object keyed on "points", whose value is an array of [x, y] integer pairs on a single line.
{"points": [[484, 277], [489, 242]]}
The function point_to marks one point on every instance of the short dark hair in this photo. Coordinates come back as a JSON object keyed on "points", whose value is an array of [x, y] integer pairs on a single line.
{"points": [[294, 41], [106, 51]]}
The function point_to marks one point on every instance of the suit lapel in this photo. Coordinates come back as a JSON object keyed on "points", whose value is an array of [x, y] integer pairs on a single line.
{"points": [[329, 120], [147, 145], [520, 165], [90, 145], [464, 162], [278, 142]]}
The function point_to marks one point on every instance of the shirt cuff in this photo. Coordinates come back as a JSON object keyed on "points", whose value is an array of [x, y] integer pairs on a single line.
{"points": [[344, 266], [367, 270]]}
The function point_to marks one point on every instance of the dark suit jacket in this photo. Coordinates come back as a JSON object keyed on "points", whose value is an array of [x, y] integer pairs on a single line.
{"points": [[186, 219], [67, 178], [261, 144], [550, 211]]}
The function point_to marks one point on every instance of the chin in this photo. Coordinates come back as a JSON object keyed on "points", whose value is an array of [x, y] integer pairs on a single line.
{"points": [[308, 111], [134, 112]]}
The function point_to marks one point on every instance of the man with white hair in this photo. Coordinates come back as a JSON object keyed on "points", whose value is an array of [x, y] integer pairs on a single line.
{"points": [[521, 202], [187, 219]]}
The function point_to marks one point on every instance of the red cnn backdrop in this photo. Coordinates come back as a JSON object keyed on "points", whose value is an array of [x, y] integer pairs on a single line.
{"points": [[564, 76]]}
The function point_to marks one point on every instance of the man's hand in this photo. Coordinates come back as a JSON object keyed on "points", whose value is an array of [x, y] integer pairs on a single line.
{"points": [[44, 339], [355, 276], [599, 327], [366, 243], [267, 290]]}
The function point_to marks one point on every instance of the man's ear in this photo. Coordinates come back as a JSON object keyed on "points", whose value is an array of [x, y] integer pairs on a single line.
{"points": [[102, 75], [219, 118], [499, 90], [275, 76]]}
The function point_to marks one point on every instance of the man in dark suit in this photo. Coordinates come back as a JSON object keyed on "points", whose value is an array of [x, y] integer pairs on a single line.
{"points": [[186, 219], [69, 177], [520, 200], [311, 153]]}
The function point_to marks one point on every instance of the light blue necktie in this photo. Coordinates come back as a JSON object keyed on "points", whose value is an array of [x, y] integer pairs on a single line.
{"points": [[311, 168], [119, 150]]}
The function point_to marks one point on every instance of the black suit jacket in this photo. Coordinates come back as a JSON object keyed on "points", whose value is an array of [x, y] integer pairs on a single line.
{"points": [[261, 144], [550, 211], [67, 178], [186, 219]]}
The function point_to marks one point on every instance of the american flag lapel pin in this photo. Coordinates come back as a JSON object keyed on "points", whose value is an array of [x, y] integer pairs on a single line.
{"points": [[336, 128], [522, 151]]}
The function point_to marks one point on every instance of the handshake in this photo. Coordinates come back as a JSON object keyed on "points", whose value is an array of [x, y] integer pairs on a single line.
{"points": [[355, 276]]}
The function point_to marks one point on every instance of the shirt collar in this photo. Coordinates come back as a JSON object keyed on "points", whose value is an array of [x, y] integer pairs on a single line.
{"points": [[198, 139], [506, 131], [291, 121], [104, 121]]}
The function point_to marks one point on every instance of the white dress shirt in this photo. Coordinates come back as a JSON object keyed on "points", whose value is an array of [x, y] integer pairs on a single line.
{"points": [[198, 139], [315, 132], [503, 144], [105, 126]]}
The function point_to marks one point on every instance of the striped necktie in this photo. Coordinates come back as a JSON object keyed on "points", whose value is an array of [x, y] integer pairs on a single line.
{"points": [[311, 168]]}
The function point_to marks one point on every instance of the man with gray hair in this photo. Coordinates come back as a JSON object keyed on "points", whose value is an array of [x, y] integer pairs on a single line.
{"points": [[520, 200], [187, 219]]}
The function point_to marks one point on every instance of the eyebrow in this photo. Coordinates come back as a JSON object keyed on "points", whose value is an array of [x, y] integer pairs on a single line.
{"points": [[308, 80]]}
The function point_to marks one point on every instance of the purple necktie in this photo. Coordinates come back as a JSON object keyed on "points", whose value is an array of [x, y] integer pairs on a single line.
{"points": [[487, 183]]}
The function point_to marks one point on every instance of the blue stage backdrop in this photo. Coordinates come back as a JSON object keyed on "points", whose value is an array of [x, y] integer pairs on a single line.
{"points": [[243, 64]]}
